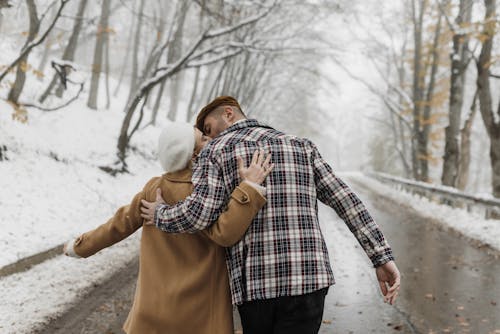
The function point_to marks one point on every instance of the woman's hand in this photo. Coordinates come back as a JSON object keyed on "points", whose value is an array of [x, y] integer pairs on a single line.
{"points": [[258, 170]]}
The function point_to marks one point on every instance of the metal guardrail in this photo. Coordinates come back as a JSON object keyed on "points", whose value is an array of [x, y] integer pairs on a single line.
{"points": [[444, 195]]}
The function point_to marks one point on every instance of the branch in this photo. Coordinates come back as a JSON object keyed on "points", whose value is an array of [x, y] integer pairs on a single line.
{"points": [[213, 60], [250, 20], [32, 45], [58, 107]]}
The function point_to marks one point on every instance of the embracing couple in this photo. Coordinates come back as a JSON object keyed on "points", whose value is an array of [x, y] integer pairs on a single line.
{"points": [[234, 221]]}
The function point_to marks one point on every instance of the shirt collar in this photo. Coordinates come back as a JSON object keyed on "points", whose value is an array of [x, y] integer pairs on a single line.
{"points": [[243, 123]]}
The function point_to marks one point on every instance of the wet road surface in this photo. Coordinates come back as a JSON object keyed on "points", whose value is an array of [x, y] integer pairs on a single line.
{"points": [[448, 286]]}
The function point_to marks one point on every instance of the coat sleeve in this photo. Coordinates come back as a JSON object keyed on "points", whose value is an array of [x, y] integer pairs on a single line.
{"points": [[244, 204], [126, 221], [200, 209], [332, 191]]}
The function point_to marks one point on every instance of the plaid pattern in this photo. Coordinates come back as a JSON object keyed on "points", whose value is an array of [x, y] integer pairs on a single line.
{"points": [[283, 253]]}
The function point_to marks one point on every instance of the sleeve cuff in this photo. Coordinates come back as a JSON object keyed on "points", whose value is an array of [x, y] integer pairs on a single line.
{"points": [[70, 249], [382, 258], [258, 187]]}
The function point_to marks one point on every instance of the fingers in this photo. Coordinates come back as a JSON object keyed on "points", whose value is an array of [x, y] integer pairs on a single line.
{"points": [[268, 170], [393, 291], [159, 198], [266, 164], [383, 288], [255, 157], [241, 165], [260, 158], [147, 204], [148, 223], [395, 285]]}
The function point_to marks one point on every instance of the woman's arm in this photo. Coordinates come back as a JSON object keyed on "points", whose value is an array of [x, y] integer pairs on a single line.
{"points": [[232, 224], [126, 221], [245, 202]]}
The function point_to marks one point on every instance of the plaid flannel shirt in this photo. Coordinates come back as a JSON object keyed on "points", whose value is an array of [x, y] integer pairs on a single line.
{"points": [[283, 253]]}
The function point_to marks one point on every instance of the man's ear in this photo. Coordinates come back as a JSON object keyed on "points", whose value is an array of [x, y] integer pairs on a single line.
{"points": [[229, 114]]}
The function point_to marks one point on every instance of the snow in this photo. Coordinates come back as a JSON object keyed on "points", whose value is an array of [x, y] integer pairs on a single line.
{"points": [[30, 299], [44, 201], [470, 224]]}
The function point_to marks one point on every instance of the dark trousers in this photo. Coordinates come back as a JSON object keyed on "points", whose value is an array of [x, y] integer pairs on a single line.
{"points": [[284, 315]]}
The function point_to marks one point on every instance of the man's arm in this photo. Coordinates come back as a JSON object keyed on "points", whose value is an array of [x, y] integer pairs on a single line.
{"points": [[200, 209], [335, 193]]}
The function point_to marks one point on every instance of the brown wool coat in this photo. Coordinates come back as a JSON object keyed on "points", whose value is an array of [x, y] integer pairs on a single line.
{"points": [[183, 283]]}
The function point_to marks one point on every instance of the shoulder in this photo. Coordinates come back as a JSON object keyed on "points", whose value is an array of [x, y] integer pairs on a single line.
{"points": [[152, 184]]}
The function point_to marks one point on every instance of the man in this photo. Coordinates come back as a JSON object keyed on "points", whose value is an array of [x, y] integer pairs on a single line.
{"points": [[280, 271]]}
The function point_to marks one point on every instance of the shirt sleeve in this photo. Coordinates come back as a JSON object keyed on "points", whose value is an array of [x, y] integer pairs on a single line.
{"points": [[202, 207], [332, 191]]}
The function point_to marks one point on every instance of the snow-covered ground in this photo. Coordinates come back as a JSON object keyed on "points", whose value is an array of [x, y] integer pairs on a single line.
{"points": [[51, 186], [472, 225]]}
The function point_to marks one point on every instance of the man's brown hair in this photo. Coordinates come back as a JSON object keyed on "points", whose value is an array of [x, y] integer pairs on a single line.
{"points": [[216, 103]]}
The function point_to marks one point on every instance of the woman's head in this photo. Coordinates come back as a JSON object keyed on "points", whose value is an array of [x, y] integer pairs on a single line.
{"points": [[200, 141], [179, 142]]}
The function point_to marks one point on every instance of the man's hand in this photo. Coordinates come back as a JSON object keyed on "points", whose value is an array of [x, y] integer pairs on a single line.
{"points": [[389, 279], [148, 208]]}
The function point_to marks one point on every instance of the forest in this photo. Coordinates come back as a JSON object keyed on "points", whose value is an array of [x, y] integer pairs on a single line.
{"points": [[430, 71]]}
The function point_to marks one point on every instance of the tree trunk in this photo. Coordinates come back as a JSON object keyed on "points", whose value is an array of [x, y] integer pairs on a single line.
{"points": [[34, 26], [465, 143], [485, 100], [46, 51], [191, 105], [174, 52], [126, 59], [106, 69], [135, 54], [459, 59], [69, 51], [418, 87], [102, 31], [157, 104], [424, 153]]}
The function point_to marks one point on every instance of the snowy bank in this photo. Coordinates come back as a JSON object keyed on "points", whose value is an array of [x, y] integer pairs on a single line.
{"points": [[471, 224]]}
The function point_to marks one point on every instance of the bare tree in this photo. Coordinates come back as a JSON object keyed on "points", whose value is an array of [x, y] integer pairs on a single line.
{"points": [[174, 52], [69, 52], [101, 37], [484, 88], [465, 147], [460, 57], [135, 53], [34, 26], [39, 38], [208, 48]]}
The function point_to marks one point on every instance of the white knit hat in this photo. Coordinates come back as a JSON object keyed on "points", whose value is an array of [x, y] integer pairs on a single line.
{"points": [[176, 146]]}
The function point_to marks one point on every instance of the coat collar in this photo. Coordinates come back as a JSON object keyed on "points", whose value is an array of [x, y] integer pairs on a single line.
{"points": [[182, 176], [246, 123]]}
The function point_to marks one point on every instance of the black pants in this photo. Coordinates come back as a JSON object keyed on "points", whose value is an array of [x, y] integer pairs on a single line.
{"points": [[284, 315]]}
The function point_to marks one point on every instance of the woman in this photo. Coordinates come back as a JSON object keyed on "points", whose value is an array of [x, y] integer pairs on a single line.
{"points": [[183, 282]]}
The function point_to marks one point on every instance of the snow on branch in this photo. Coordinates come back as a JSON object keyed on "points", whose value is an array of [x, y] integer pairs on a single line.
{"points": [[34, 43], [249, 20]]}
